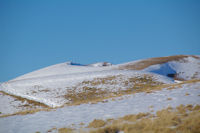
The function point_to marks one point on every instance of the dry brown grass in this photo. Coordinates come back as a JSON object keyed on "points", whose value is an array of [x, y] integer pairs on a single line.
{"points": [[31, 103], [138, 84], [185, 119], [187, 94], [99, 81], [179, 85], [90, 93], [97, 123], [169, 98], [32, 111], [153, 61], [65, 130], [133, 118], [27, 106]]}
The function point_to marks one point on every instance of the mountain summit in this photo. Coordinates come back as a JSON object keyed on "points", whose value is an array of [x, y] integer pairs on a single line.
{"points": [[58, 79], [68, 91]]}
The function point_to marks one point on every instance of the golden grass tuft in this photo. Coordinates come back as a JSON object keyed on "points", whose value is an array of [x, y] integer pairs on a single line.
{"points": [[110, 129], [165, 121], [97, 123], [187, 94], [132, 118], [65, 130], [30, 102], [32, 111], [169, 98], [197, 107]]}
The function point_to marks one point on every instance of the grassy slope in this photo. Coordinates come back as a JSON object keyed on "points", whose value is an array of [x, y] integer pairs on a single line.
{"points": [[184, 119], [90, 92]]}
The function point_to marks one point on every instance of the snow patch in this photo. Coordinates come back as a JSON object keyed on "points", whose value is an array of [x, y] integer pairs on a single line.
{"points": [[100, 64], [187, 69]]}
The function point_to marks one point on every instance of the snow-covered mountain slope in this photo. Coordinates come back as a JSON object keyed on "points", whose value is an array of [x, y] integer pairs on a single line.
{"points": [[181, 67], [50, 90], [96, 91], [100, 64], [51, 85], [63, 68]]}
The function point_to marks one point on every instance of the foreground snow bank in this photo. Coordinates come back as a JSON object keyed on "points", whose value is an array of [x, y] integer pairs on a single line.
{"points": [[130, 104]]}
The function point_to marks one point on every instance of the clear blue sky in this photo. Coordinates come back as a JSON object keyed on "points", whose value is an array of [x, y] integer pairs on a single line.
{"points": [[39, 33]]}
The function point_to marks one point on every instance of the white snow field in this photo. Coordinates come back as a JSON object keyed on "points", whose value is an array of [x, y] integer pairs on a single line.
{"points": [[50, 89], [46, 84], [50, 85], [64, 68], [11, 105], [85, 113], [187, 69]]}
